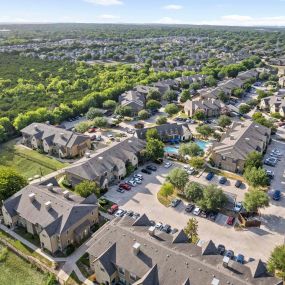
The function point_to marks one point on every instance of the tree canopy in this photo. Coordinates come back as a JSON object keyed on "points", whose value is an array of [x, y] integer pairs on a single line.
{"points": [[178, 177], [255, 199], [86, 188]]}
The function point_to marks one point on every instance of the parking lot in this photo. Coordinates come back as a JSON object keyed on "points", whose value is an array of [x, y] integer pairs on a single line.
{"points": [[253, 242]]}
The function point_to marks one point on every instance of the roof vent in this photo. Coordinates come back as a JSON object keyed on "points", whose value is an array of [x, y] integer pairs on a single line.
{"points": [[232, 137], [247, 139], [151, 231], [100, 157], [62, 135], [66, 194], [87, 154], [136, 248], [32, 197], [215, 281], [226, 261], [48, 205], [50, 186], [36, 127]]}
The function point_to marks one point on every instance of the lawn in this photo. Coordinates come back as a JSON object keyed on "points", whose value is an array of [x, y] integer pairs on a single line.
{"points": [[16, 271], [27, 162]]}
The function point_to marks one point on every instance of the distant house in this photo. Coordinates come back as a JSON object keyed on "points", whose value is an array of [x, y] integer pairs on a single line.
{"points": [[107, 166], [235, 145], [134, 252], [211, 107], [55, 141], [134, 99], [273, 104], [58, 217], [168, 132], [248, 75]]}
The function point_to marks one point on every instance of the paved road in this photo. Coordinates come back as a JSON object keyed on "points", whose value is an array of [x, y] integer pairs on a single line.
{"points": [[254, 242]]}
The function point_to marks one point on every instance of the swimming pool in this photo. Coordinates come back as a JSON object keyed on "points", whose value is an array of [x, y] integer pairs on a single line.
{"points": [[174, 149]]}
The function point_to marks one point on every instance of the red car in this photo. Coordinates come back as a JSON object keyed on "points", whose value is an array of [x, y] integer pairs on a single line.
{"points": [[230, 221], [92, 130], [125, 186], [113, 209]]}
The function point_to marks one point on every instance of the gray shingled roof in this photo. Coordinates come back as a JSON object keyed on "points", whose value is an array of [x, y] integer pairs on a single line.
{"points": [[63, 214], [257, 268], [176, 262], [209, 248]]}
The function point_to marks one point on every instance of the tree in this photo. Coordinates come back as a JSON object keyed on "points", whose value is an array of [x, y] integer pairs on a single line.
{"points": [[3, 135], [143, 114], [191, 149], [256, 176], [161, 120], [10, 182], [238, 92], [170, 96], [185, 95], [223, 96], [154, 149], [93, 112], [276, 262], [153, 105], [213, 198], [193, 191], [191, 230], [253, 159], [178, 177], [100, 122], [199, 115], [153, 94], [83, 126], [195, 86], [204, 130], [210, 81], [86, 188], [166, 189], [124, 110], [152, 134], [244, 108], [224, 121], [110, 104], [197, 162], [171, 109], [255, 199]]}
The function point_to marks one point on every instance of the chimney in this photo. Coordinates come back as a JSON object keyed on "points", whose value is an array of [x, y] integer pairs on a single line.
{"points": [[87, 154], [247, 139], [32, 197], [136, 248], [242, 125], [48, 205], [226, 261], [151, 231], [66, 194], [62, 135], [36, 127], [232, 137], [50, 186]]}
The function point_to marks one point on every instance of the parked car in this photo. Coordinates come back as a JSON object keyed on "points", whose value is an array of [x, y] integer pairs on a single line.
{"points": [[120, 190], [98, 138], [173, 231], [270, 174], [230, 254], [166, 228], [240, 258], [191, 170], [210, 176], [230, 221], [137, 180], [138, 176], [125, 186], [203, 214], [223, 180], [212, 216], [146, 171], [276, 195], [113, 209], [158, 161], [168, 164], [132, 183], [120, 213], [238, 207], [271, 161], [197, 211], [92, 130], [189, 208], [238, 183], [175, 202], [158, 226], [221, 249], [136, 216], [129, 213], [151, 167]]}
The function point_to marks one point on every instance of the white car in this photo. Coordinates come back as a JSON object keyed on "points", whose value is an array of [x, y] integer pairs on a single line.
{"points": [[238, 207], [139, 176], [120, 213], [158, 226], [197, 211], [168, 164], [137, 180], [191, 170], [132, 183]]}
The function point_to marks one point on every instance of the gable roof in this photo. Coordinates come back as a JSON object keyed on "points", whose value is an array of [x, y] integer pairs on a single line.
{"points": [[142, 221], [180, 237], [209, 248], [257, 268], [150, 278]]}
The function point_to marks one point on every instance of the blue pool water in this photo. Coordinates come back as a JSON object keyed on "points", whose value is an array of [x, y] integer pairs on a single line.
{"points": [[174, 149]]}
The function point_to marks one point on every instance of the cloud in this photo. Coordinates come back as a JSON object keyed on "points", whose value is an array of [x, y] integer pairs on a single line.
{"points": [[244, 20], [172, 7], [105, 2], [168, 20], [107, 17]]}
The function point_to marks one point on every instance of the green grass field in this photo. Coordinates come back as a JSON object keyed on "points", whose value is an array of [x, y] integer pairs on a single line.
{"points": [[16, 271], [27, 162]]}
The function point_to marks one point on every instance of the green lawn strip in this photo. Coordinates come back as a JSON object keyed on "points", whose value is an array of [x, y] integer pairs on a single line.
{"points": [[73, 279], [23, 248], [27, 162], [16, 271]]}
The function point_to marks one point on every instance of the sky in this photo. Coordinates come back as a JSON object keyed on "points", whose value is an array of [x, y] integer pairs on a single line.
{"points": [[200, 12]]}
